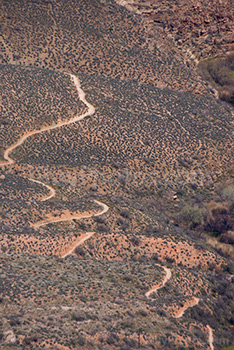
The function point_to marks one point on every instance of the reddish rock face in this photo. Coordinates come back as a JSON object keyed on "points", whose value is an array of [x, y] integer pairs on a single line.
{"points": [[201, 28]]}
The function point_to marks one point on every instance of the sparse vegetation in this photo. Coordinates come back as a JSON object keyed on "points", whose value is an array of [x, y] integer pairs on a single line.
{"points": [[155, 150]]}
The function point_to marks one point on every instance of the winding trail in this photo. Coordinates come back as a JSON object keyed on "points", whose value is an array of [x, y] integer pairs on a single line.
{"points": [[161, 284], [9, 160], [91, 111], [52, 191], [192, 303], [44, 222]]}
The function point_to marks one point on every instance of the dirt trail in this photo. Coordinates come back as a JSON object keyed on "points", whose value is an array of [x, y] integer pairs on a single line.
{"points": [[71, 216], [91, 111], [52, 191], [161, 284], [80, 240], [191, 303], [211, 337]]}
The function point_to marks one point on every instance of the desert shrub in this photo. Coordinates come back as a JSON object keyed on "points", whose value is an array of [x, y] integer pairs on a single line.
{"points": [[220, 210], [127, 324], [199, 333], [99, 220], [122, 223], [150, 229], [192, 216], [227, 238], [112, 338], [231, 347], [161, 312], [227, 95], [230, 60], [101, 228], [143, 313], [27, 341], [218, 225], [122, 179], [211, 265], [115, 165], [131, 343], [82, 225], [81, 340], [170, 260], [125, 213], [80, 251], [135, 241], [78, 317], [228, 193], [155, 256], [220, 221], [14, 321], [128, 278], [93, 188], [219, 72]]}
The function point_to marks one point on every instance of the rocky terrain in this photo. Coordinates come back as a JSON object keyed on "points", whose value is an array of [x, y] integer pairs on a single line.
{"points": [[116, 179], [201, 29]]}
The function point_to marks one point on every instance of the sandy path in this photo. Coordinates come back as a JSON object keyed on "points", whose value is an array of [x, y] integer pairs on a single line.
{"points": [[80, 240], [87, 235], [52, 191], [51, 220], [162, 284], [91, 111], [211, 337], [191, 303]]}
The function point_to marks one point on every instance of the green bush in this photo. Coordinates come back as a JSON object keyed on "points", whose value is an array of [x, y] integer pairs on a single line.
{"points": [[219, 72], [228, 193], [192, 215], [231, 347]]}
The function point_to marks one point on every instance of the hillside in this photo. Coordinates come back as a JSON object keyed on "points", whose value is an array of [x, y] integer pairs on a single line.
{"points": [[116, 184]]}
